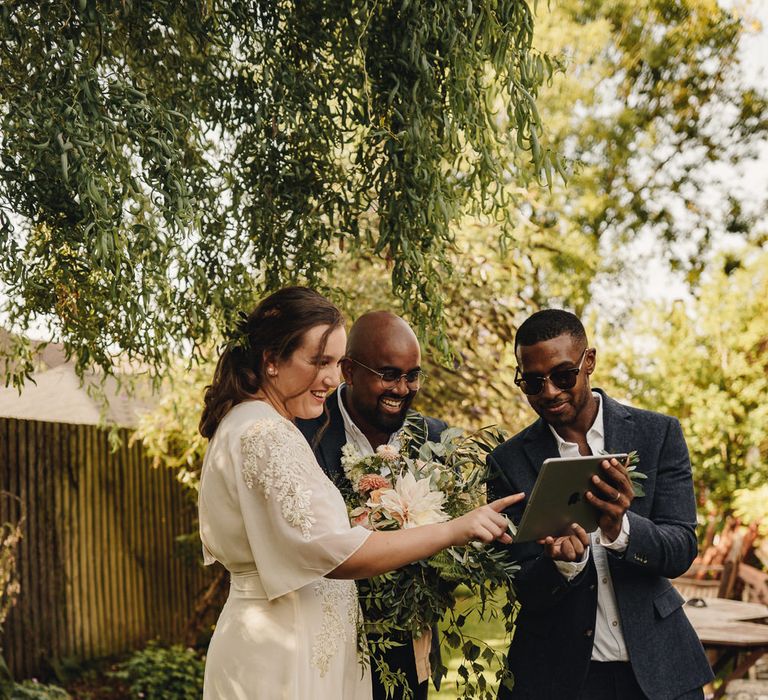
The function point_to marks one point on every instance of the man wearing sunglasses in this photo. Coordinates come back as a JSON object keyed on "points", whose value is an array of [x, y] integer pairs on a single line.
{"points": [[599, 618], [382, 375]]}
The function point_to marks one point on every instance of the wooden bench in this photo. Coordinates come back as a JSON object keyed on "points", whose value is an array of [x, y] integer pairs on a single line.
{"points": [[745, 689], [754, 584]]}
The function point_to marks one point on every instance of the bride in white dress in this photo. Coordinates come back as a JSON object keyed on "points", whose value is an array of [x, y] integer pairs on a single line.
{"points": [[272, 517]]}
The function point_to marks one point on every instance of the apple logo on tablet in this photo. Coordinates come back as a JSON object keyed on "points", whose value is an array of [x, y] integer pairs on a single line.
{"points": [[574, 498]]}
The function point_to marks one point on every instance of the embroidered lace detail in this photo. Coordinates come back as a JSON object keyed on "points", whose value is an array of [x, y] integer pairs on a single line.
{"points": [[276, 460], [338, 601]]}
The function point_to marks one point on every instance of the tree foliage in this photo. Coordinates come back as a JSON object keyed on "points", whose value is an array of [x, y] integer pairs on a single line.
{"points": [[554, 250], [651, 97], [655, 113], [708, 365], [165, 162]]}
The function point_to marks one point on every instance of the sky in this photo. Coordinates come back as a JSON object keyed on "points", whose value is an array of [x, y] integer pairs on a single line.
{"points": [[658, 282]]}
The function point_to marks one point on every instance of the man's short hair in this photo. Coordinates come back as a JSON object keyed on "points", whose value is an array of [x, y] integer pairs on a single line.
{"points": [[547, 324]]}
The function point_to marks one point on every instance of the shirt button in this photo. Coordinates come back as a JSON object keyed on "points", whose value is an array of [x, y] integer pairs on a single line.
{"points": [[605, 579], [615, 623], [597, 539]]}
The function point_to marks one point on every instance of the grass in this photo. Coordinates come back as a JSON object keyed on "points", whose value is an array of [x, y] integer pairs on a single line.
{"points": [[491, 631]]}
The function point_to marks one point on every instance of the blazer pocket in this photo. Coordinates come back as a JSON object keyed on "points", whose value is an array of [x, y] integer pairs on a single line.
{"points": [[667, 602]]}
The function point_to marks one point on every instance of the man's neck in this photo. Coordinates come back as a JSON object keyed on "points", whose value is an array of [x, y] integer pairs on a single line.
{"points": [[577, 432], [376, 438]]}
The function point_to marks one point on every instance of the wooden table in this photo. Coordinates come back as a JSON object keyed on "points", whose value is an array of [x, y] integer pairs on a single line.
{"points": [[730, 630]]}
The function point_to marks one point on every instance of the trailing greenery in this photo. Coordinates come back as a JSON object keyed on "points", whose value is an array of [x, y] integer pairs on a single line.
{"points": [[643, 79], [163, 673], [652, 109], [162, 163], [490, 623]]}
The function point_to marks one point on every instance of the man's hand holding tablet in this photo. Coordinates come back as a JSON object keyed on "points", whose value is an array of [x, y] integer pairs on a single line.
{"points": [[611, 495], [565, 494]]}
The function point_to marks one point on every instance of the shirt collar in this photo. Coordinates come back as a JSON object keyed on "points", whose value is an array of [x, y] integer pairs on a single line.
{"points": [[595, 432]]}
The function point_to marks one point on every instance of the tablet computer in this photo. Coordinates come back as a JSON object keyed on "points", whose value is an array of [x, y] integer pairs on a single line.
{"points": [[557, 498]]}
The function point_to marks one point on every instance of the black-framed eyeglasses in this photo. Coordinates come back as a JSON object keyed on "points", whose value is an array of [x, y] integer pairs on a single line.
{"points": [[532, 384], [390, 376]]}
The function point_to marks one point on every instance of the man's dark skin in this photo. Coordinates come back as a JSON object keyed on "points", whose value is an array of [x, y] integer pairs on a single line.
{"points": [[381, 340], [368, 404], [569, 615], [571, 412]]}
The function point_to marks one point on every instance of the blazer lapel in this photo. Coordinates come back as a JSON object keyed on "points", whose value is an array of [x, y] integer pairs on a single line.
{"points": [[620, 429], [621, 433], [539, 444]]}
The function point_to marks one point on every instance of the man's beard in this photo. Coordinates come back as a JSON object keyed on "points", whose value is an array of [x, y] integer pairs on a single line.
{"points": [[391, 422]]}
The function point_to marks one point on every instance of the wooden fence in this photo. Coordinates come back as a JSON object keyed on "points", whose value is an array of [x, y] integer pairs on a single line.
{"points": [[100, 572]]}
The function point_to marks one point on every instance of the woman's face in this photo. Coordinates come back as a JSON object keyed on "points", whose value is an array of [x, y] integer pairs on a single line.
{"points": [[303, 381]]}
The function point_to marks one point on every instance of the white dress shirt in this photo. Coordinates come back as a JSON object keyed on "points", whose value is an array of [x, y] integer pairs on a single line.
{"points": [[609, 642], [355, 436]]}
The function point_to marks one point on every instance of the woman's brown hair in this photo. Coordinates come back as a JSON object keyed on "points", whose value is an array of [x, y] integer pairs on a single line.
{"points": [[275, 329]]}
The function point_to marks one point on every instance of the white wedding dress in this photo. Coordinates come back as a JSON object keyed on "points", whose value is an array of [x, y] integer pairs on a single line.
{"points": [[270, 515]]}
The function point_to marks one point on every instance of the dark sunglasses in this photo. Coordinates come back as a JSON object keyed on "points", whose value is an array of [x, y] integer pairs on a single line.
{"points": [[532, 384], [390, 377]]}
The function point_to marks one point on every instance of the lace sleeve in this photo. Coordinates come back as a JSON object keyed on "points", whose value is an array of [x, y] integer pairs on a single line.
{"points": [[273, 460], [295, 519]]}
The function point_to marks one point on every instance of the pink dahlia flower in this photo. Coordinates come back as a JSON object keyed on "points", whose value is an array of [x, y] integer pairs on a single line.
{"points": [[371, 482]]}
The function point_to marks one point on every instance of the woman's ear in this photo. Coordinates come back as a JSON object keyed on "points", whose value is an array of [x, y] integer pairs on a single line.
{"points": [[270, 364]]}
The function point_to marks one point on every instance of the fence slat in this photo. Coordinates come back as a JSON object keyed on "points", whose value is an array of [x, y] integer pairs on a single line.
{"points": [[24, 605], [98, 569]]}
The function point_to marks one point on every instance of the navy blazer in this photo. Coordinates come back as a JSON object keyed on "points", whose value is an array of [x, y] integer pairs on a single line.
{"points": [[554, 631]]}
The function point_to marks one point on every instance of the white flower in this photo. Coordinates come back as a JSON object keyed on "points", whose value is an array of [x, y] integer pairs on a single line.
{"points": [[388, 453], [411, 502], [349, 455], [350, 463]]}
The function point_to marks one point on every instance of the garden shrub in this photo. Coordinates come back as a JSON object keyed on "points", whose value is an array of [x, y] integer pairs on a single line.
{"points": [[163, 673], [32, 690]]}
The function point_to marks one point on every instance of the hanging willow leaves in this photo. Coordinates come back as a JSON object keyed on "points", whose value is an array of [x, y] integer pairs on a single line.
{"points": [[165, 162]]}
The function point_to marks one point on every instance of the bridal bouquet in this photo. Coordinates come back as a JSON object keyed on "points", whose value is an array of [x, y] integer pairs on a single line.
{"points": [[421, 483]]}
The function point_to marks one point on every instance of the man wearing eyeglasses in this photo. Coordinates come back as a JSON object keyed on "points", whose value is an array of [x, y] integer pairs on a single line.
{"points": [[382, 375], [599, 618]]}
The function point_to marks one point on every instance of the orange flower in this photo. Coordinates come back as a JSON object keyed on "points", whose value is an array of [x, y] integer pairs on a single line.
{"points": [[372, 482]]}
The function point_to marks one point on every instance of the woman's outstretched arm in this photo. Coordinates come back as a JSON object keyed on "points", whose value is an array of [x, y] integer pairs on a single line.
{"points": [[387, 551]]}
